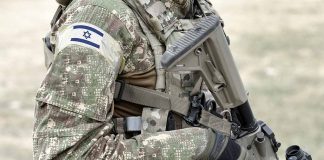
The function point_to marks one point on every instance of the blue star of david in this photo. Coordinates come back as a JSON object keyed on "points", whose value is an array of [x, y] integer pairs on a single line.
{"points": [[86, 34]]}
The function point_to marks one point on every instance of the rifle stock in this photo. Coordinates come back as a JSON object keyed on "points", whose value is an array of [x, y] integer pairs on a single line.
{"points": [[204, 51]]}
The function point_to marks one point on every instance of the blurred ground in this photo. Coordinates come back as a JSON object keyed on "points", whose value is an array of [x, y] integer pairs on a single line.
{"points": [[277, 44], [23, 23], [279, 48]]}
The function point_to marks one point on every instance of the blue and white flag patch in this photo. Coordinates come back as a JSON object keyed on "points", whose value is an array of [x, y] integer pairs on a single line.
{"points": [[90, 36], [83, 34]]}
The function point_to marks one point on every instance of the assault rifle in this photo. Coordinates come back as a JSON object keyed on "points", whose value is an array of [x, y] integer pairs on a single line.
{"points": [[204, 51]]}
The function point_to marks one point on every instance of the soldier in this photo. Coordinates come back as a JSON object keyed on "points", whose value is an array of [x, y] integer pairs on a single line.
{"points": [[80, 115]]}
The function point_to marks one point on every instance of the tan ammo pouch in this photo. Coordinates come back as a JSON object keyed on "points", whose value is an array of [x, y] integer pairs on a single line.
{"points": [[154, 13], [162, 16], [154, 120]]}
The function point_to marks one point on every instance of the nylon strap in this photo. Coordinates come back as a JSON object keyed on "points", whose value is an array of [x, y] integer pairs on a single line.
{"points": [[142, 96], [119, 125]]}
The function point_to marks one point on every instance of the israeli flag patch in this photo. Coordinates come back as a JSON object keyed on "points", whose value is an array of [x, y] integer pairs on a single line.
{"points": [[87, 35], [90, 36], [83, 34]]}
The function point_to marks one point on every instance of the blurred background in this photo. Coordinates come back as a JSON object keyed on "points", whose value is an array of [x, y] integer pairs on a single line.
{"points": [[278, 46]]}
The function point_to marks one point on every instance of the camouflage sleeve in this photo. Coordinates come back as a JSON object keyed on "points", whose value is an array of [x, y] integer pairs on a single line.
{"points": [[74, 103], [64, 135], [190, 143]]}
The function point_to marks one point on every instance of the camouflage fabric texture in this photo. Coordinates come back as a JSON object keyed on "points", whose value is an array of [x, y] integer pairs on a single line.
{"points": [[75, 101]]}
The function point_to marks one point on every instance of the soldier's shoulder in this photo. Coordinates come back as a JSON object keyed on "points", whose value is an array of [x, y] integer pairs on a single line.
{"points": [[116, 7], [113, 16]]}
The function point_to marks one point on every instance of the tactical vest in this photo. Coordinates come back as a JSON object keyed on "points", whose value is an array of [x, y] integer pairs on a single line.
{"points": [[163, 23]]}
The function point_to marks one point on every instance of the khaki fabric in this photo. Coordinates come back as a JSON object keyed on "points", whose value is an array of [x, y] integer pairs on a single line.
{"points": [[142, 79], [127, 109]]}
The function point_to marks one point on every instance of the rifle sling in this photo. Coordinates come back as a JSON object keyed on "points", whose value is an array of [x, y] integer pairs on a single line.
{"points": [[141, 96]]}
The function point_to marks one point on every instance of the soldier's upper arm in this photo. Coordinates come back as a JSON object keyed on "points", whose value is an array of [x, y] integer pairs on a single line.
{"points": [[90, 47]]}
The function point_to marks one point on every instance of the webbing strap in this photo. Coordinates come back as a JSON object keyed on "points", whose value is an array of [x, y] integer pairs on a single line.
{"points": [[57, 15], [142, 96], [119, 125]]}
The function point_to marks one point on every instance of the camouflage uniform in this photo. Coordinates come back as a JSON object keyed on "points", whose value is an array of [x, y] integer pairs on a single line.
{"points": [[75, 101]]}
